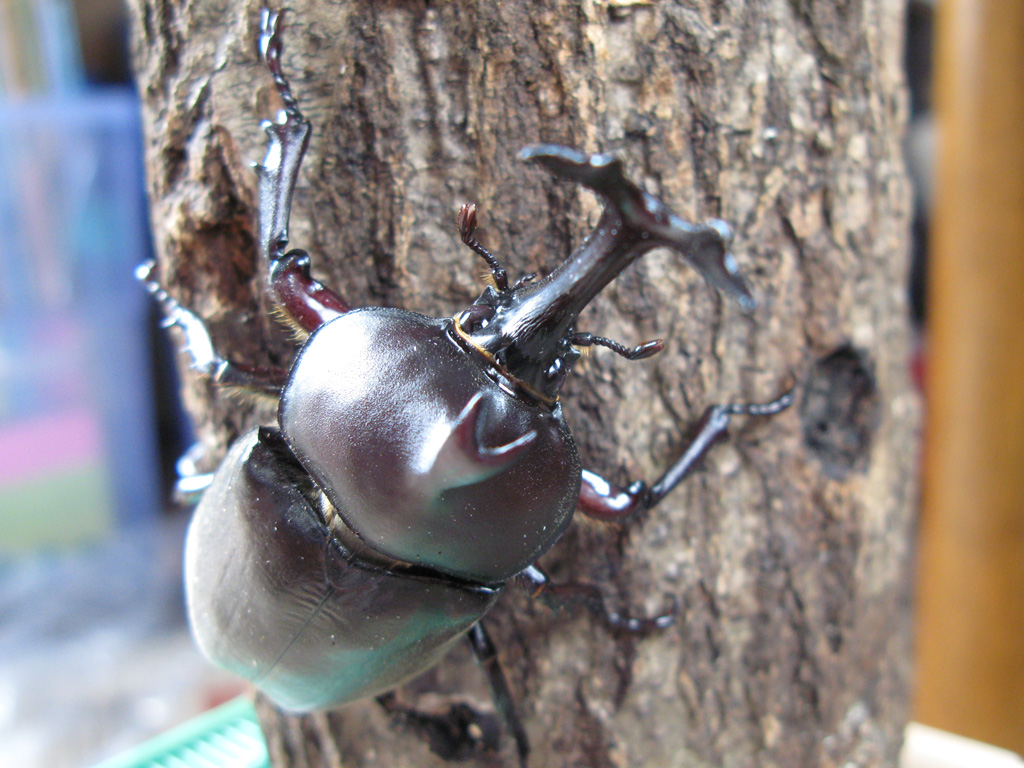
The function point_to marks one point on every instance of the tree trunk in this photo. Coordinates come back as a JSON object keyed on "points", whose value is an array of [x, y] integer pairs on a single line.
{"points": [[789, 553]]}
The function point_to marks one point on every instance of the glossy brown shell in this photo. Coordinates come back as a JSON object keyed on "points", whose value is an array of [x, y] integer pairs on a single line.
{"points": [[423, 454], [274, 598]]}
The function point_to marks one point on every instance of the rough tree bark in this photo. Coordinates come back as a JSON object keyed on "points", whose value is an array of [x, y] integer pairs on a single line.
{"points": [[789, 553]]}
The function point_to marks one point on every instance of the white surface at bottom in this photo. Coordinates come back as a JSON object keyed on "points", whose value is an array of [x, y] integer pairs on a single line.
{"points": [[927, 747]]}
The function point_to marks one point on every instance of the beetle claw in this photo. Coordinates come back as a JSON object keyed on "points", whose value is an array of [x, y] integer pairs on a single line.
{"points": [[668, 618], [779, 404], [270, 47]]}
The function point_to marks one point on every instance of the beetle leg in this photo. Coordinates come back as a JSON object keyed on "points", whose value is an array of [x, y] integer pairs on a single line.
{"points": [[304, 303], [536, 584], [203, 358], [606, 501], [639, 352], [487, 655]]}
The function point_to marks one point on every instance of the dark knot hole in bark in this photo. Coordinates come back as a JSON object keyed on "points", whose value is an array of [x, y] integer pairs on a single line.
{"points": [[840, 411]]}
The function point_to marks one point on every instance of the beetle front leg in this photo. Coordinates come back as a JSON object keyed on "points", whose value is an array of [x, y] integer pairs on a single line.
{"points": [[304, 303], [203, 358], [603, 500]]}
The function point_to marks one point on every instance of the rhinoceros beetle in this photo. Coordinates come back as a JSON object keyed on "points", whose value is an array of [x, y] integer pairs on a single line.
{"points": [[419, 464]]}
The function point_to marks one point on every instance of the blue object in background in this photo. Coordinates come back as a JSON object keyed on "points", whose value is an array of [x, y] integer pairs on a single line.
{"points": [[76, 425]]}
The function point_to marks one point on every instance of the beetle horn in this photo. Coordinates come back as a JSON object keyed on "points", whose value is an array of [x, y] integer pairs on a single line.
{"points": [[705, 246], [530, 335]]}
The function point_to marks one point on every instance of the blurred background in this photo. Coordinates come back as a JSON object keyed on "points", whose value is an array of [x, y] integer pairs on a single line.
{"points": [[94, 653]]}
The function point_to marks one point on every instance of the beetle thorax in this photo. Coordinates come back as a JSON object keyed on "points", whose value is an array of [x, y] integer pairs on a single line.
{"points": [[447, 470]]}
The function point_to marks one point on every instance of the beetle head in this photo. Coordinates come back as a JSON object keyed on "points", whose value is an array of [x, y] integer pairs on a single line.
{"points": [[526, 331]]}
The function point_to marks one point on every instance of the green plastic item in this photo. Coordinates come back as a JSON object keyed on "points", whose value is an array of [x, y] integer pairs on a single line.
{"points": [[226, 737]]}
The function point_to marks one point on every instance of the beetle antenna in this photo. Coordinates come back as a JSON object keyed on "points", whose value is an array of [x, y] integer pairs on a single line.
{"points": [[466, 221], [270, 51], [639, 352]]}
